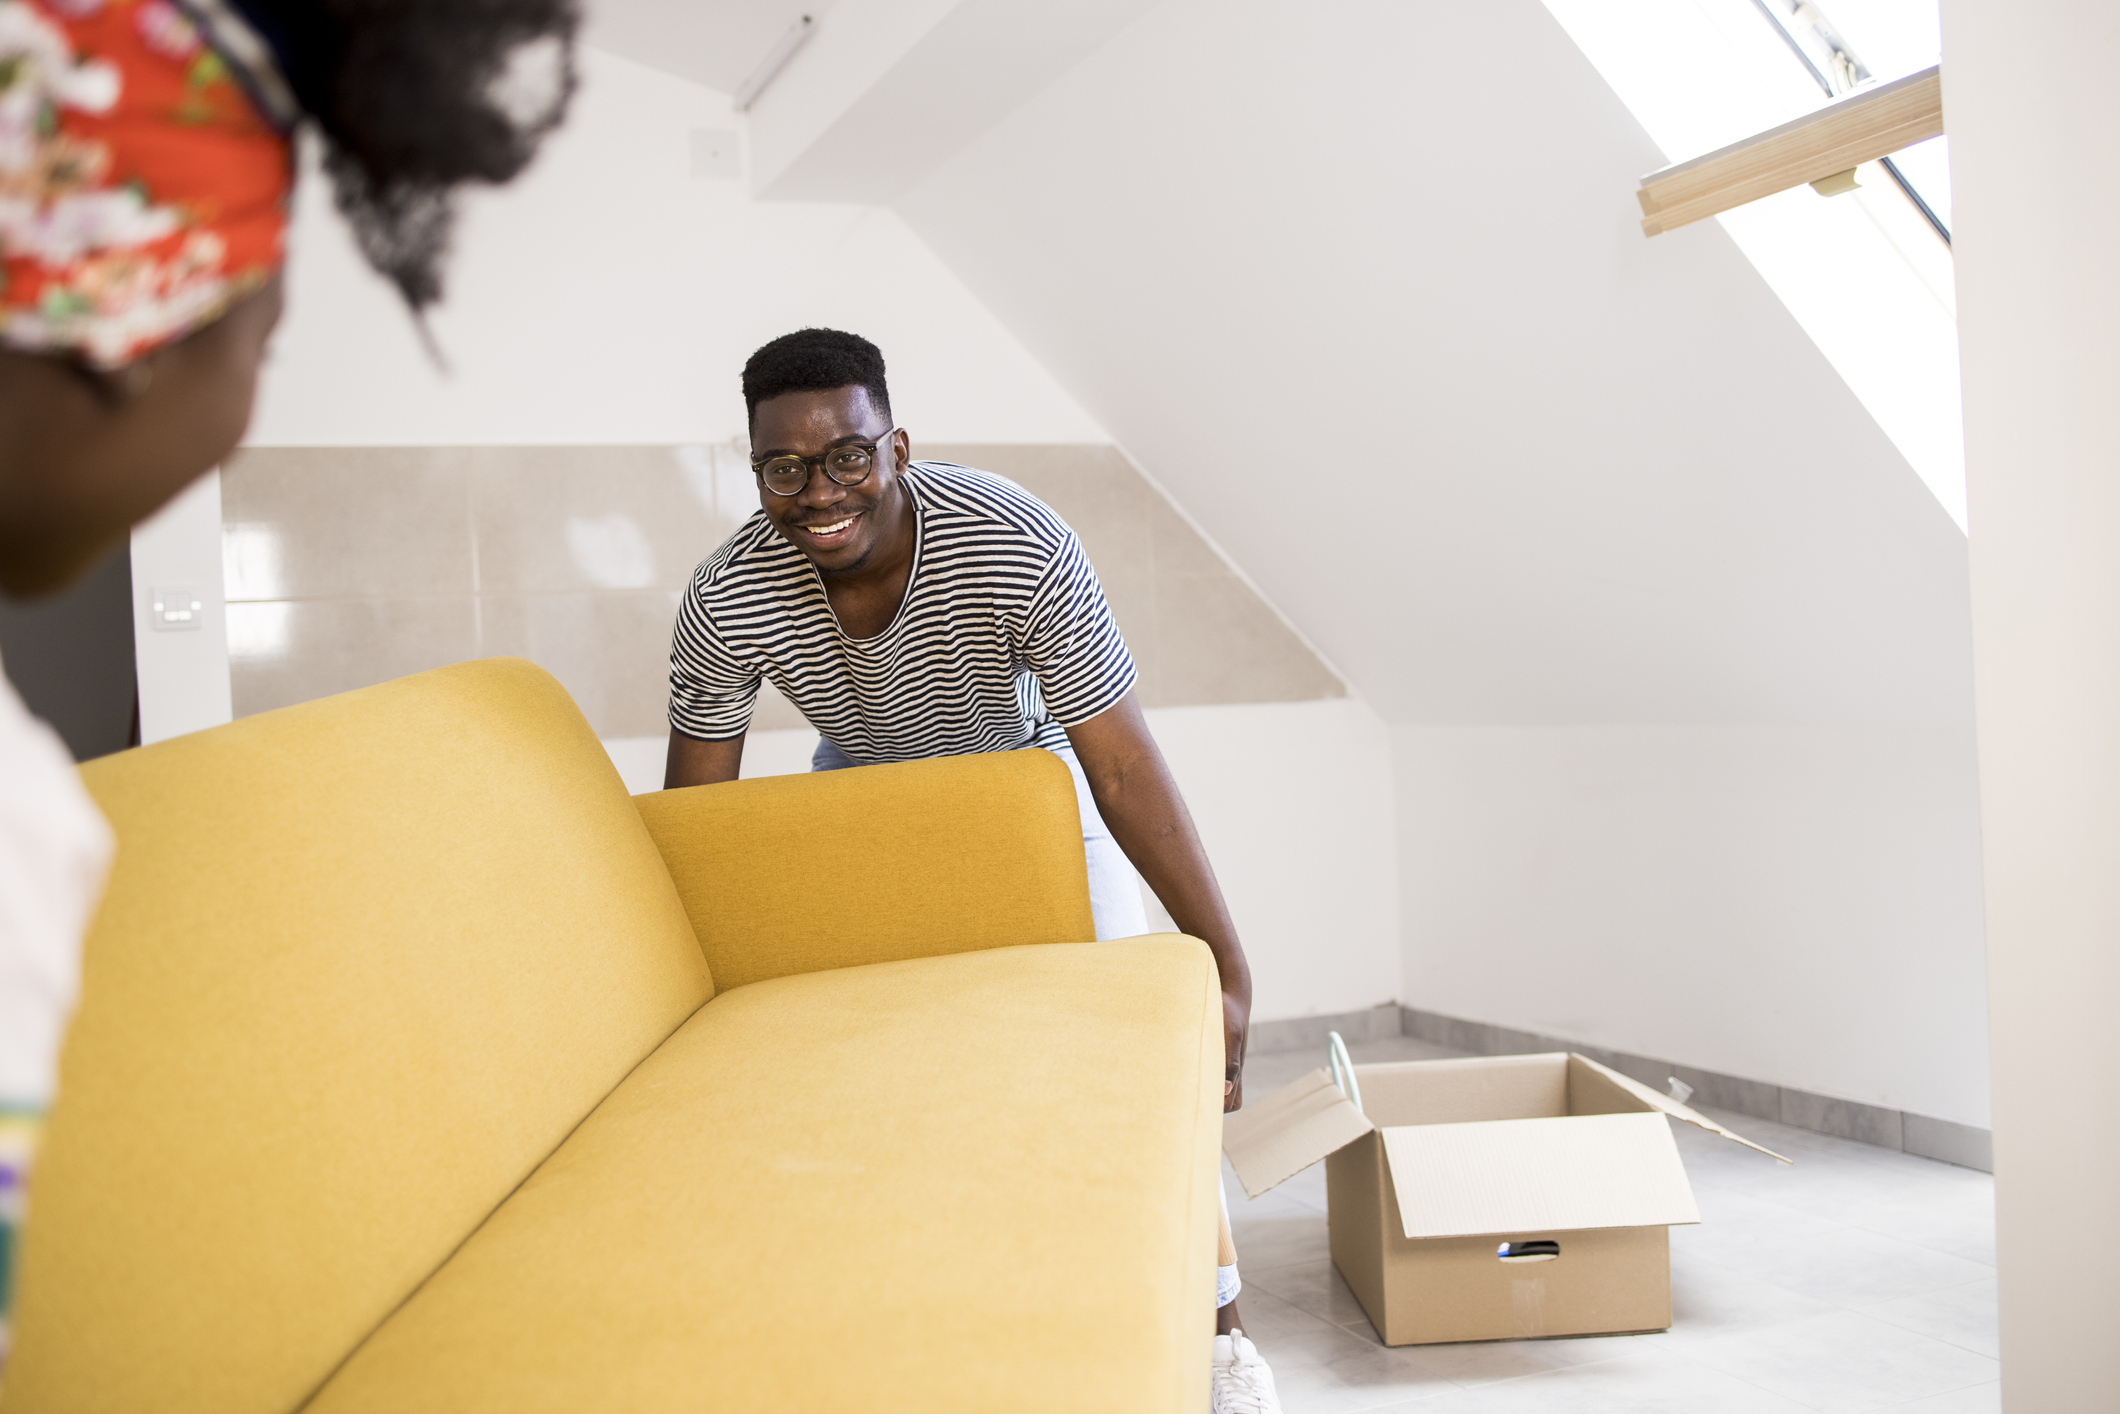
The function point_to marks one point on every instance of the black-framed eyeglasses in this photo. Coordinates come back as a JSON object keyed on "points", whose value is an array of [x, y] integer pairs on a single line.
{"points": [[848, 465]]}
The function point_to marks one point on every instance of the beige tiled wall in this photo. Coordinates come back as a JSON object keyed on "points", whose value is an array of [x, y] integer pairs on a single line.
{"points": [[1198, 632], [348, 566]]}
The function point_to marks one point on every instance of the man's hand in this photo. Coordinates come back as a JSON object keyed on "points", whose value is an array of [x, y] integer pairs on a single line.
{"points": [[1140, 803]]}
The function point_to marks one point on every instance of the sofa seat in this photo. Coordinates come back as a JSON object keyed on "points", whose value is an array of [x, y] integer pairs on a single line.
{"points": [[847, 1190]]}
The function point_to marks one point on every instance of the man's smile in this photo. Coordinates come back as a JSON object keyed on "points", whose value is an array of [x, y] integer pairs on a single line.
{"points": [[831, 532]]}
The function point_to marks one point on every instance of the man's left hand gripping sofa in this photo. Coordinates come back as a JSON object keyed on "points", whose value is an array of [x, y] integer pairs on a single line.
{"points": [[420, 1068]]}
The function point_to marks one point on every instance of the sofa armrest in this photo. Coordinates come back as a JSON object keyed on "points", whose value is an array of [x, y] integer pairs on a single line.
{"points": [[788, 874]]}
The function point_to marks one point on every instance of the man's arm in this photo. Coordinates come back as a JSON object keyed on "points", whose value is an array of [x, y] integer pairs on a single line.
{"points": [[701, 763], [1140, 803]]}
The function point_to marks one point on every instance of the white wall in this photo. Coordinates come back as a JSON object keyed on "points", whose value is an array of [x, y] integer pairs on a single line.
{"points": [[1799, 905], [1294, 803], [1362, 283], [182, 675], [610, 297], [2037, 203]]}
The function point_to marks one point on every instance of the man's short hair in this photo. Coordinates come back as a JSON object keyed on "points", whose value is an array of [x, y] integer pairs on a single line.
{"points": [[811, 360]]}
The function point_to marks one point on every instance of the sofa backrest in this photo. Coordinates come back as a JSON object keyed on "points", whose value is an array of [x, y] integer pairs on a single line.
{"points": [[362, 964], [789, 874]]}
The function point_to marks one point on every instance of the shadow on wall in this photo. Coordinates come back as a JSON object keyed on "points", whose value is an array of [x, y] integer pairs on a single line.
{"points": [[71, 657], [350, 566]]}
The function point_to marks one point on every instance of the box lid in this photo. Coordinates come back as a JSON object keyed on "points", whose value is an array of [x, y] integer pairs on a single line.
{"points": [[1670, 1106], [1272, 1140], [1538, 1175]]}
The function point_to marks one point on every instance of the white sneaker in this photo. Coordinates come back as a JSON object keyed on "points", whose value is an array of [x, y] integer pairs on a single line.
{"points": [[1243, 1384]]}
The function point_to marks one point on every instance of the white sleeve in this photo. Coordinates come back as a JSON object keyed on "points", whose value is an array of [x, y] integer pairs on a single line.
{"points": [[55, 850]]}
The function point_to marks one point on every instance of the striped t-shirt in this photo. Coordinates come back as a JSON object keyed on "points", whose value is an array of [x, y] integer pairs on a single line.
{"points": [[1003, 639]]}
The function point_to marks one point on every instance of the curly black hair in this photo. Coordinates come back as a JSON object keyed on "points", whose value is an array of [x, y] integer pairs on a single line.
{"points": [[413, 99], [812, 359]]}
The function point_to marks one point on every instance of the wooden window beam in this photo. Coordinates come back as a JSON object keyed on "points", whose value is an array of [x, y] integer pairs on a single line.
{"points": [[1860, 127]]}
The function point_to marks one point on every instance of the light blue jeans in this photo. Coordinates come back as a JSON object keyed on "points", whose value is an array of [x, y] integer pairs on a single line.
{"points": [[1114, 901]]}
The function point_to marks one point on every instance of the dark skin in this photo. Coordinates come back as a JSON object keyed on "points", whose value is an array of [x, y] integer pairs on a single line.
{"points": [[86, 455], [861, 540]]}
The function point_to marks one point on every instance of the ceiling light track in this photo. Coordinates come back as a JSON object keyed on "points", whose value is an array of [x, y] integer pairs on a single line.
{"points": [[776, 59]]}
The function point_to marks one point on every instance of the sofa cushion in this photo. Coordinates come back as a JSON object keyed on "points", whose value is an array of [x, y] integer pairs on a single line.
{"points": [[362, 965], [972, 1183], [790, 874]]}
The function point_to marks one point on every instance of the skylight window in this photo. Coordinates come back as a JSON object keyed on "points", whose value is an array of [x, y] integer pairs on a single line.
{"points": [[1866, 274]]}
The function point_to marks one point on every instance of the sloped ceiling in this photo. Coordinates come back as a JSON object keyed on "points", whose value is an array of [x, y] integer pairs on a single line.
{"points": [[713, 42], [1360, 281]]}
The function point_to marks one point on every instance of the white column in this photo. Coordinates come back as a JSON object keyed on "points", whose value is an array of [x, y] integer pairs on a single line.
{"points": [[183, 663], [2032, 104]]}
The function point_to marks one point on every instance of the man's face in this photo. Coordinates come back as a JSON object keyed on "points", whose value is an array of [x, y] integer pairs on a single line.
{"points": [[839, 527]]}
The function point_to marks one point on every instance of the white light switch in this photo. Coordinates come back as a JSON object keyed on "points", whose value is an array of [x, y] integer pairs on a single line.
{"points": [[177, 608]]}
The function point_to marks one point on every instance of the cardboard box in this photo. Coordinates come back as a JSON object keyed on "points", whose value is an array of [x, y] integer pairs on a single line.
{"points": [[1487, 1199]]}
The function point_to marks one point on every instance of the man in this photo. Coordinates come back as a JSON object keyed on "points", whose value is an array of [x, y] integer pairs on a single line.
{"points": [[913, 609]]}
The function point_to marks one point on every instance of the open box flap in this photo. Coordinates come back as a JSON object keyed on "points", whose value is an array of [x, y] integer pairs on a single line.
{"points": [[1672, 1107], [1272, 1140], [1516, 1176]]}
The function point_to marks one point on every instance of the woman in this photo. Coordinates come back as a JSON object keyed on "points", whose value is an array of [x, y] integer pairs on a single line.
{"points": [[146, 165]]}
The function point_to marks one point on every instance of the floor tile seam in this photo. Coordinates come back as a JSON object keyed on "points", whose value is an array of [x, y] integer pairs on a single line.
{"points": [[1326, 1326], [1425, 1371], [1682, 1353], [1837, 1306], [1770, 1202], [1541, 1374], [1356, 1329], [1783, 1395], [1755, 1278], [1937, 1291], [1870, 1211], [1937, 1251], [1970, 1213], [1395, 1402], [1753, 1327], [1917, 1246], [1919, 1335], [1833, 1224], [1940, 1340], [1844, 1308], [1934, 1393], [1919, 1398], [1262, 1280]]}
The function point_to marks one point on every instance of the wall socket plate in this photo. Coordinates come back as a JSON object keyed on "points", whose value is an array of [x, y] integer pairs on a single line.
{"points": [[176, 608]]}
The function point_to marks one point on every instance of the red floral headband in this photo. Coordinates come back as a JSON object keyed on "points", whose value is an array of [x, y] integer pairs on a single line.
{"points": [[143, 189]]}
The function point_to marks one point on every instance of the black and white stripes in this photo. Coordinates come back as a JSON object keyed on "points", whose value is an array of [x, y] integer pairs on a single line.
{"points": [[1004, 637]]}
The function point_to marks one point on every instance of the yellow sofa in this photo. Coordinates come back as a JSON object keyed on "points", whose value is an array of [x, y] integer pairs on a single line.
{"points": [[421, 1068]]}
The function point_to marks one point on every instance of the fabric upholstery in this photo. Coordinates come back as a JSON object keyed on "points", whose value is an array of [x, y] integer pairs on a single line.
{"points": [[789, 874], [363, 964], [980, 1182]]}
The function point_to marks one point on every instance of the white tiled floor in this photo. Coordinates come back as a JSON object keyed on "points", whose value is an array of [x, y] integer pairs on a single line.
{"points": [[1857, 1279]]}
